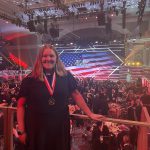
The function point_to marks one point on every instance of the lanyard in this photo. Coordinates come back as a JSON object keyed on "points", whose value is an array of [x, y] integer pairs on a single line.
{"points": [[50, 89]]}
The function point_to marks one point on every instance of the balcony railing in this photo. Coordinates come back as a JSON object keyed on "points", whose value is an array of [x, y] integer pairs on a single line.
{"points": [[144, 127]]}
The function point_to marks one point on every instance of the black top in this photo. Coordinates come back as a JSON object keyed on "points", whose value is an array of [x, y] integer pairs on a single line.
{"points": [[47, 126], [37, 94]]}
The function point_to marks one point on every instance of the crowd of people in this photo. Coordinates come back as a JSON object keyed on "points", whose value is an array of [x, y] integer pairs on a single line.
{"points": [[9, 90], [100, 96], [111, 99]]}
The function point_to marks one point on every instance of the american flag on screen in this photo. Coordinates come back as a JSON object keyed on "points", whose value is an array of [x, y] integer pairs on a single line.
{"points": [[89, 64]]}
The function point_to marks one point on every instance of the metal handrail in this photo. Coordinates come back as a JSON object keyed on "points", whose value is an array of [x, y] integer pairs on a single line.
{"points": [[121, 121], [142, 142], [8, 123]]}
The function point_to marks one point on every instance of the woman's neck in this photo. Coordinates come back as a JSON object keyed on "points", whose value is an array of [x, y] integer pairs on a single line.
{"points": [[48, 71]]}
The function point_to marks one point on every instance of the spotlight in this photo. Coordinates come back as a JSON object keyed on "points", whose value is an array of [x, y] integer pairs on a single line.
{"points": [[129, 63], [137, 63]]}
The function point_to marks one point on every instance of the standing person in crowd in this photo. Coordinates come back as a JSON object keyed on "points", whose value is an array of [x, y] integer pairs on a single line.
{"points": [[42, 111], [96, 103], [131, 111], [103, 104], [138, 108], [145, 98], [134, 110]]}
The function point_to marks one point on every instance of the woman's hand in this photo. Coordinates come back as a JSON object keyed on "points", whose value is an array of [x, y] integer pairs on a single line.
{"points": [[4, 104], [97, 117], [22, 138]]}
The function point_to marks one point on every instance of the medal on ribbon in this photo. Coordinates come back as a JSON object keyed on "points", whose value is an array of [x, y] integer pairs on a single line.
{"points": [[51, 100]]}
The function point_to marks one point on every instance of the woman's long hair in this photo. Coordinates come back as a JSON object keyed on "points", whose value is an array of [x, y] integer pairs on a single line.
{"points": [[38, 67]]}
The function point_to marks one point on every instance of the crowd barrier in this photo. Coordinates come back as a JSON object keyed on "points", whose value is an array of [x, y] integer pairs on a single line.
{"points": [[144, 126]]}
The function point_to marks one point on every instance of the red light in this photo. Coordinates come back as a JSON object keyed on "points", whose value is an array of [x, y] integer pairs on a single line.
{"points": [[18, 61]]}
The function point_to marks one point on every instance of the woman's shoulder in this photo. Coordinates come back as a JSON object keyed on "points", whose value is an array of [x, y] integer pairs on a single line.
{"points": [[28, 79], [66, 75], [69, 74]]}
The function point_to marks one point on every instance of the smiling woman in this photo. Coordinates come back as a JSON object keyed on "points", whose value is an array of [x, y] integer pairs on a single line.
{"points": [[48, 59], [42, 112]]}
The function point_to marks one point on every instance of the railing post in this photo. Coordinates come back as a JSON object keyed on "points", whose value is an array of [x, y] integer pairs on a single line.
{"points": [[142, 137], [143, 131], [8, 124], [5, 111], [10, 128]]}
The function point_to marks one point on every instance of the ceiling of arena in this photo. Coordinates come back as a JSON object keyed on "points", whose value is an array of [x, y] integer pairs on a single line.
{"points": [[77, 20], [17, 13]]}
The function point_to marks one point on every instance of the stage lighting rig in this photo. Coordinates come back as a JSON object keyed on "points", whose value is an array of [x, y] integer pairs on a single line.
{"points": [[141, 8], [124, 15], [101, 14]]}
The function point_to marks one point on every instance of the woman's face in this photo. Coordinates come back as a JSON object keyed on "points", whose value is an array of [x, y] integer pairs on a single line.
{"points": [[48, 59]]}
